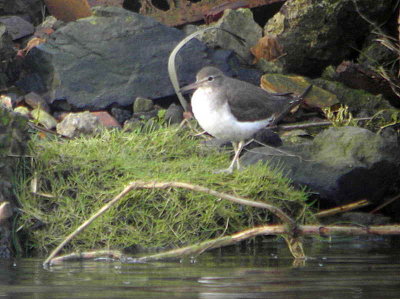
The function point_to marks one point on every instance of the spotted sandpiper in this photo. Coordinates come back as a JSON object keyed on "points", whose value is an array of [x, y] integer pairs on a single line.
{"points": [[234, 110]]}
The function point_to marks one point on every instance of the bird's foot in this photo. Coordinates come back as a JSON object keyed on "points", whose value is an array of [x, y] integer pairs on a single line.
{"points": [[228, 170]]}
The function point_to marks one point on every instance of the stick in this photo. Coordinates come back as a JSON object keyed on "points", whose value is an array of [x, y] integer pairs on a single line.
{"points": [[77, 256], [314, 124], [164, 185], [341, 209], [246, 234], [272, 230]]}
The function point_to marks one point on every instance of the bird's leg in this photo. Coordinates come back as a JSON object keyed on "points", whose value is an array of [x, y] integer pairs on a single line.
{"points": [[230, 168], [237, 147], [237, 153]]}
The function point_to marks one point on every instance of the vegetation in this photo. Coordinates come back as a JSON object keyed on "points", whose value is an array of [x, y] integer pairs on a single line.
{"points": [[72, 179]]}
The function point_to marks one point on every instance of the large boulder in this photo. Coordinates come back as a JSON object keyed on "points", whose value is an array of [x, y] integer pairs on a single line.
{"points": [[341, 165], [316, 33], [113, 57], [239, 22]]}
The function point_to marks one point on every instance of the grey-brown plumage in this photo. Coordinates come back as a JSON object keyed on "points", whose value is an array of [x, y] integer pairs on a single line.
{"points": [[234, 110]]}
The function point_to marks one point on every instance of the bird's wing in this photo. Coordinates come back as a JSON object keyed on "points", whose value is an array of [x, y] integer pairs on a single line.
{"points": [[248, 103]]}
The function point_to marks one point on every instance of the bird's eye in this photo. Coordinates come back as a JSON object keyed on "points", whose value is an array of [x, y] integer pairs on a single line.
{"points": [[210, 78]]}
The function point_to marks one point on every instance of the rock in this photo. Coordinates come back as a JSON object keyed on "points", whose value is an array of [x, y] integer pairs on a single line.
{"points": [[272, 67], [77, 124], [6, 53], [145, 115], [32, 9], [113, 57], [6, 101], [341, 165], [22, 110], [5, 211], [36, 101], [265, 136], [174, 114], [316, 97], [106, 119], [374, 54], [121, 114], [359, 76], [44, 118], [32, 82], [267, 48], [142, 105], [318, 33], [360, 102], [239, 22], [17, 27], [132, 124], [297, 136], [358, 218]]}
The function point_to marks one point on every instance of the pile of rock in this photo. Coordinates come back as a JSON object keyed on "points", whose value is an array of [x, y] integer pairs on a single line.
{"points": [[110, 70]]}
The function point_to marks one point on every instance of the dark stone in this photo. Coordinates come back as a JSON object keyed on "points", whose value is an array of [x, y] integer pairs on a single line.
{"points": [[145, 115], [17, 27], [30, 8], [174, 114], [358, 218], [36, 101], [6, 54], [266, 136], [121, 114], [142, 105], [114, 57], [315, 34], [31, 82], [341, 165]]}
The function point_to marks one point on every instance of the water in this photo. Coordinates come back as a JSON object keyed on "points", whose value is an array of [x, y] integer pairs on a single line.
{"points": [[344, 269]]}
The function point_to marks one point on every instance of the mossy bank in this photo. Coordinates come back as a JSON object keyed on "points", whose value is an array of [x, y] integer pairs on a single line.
{"points": [[73, 178]]}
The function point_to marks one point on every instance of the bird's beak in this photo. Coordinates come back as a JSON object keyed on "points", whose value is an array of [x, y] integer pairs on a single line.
{"points": [[189, 87]]}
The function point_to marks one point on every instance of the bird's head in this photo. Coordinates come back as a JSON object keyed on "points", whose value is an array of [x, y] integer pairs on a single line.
{"points": [[208, 76]]}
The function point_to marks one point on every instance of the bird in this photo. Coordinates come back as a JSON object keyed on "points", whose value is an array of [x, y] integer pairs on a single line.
{"points": [[233, 110]]}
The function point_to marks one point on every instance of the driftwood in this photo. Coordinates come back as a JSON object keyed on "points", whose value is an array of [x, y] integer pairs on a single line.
{"points": [[341, 209], [199, 248], [88, 255], [289, 230], [165, 185]]}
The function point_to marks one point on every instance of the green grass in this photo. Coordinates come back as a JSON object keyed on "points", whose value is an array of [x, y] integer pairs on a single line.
{"points": [[81, 174]]}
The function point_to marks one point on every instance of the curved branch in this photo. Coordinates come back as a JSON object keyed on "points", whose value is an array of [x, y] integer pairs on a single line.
{"points": [[164, 185]]}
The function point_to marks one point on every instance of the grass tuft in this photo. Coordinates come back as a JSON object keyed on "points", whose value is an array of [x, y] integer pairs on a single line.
{"points": [[78, 176]]}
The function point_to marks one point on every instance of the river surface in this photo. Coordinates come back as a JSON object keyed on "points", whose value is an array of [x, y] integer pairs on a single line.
{"points": [[342, 269]]}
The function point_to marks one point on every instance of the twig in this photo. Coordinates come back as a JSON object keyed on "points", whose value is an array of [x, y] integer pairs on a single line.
{"points": [[77, 256], [272, 230], [389, 201], [87, 223], [341, 209], [42, 129], [164, 185], [246, 234], [314, 124]]}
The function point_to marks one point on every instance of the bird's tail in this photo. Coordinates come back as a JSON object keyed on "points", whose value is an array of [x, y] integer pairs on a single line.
{"points": [[296, 101]]}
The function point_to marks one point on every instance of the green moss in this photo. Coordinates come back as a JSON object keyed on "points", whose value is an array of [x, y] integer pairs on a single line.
{"points": [[77, 176]]}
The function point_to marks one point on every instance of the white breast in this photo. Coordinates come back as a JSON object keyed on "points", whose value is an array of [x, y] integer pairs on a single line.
{"points": [[218, 120]]}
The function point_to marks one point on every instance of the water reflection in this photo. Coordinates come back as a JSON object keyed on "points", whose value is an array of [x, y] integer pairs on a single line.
{"points": [[335, 270]]}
